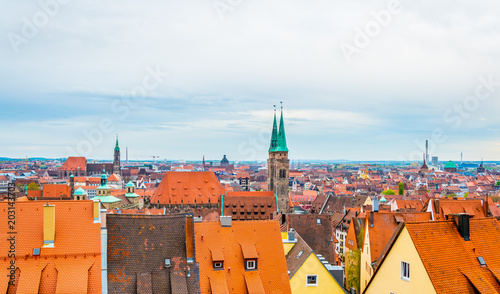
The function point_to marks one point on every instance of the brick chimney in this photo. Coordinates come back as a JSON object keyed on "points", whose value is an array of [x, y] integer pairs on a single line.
{"points": [[189, 238]]}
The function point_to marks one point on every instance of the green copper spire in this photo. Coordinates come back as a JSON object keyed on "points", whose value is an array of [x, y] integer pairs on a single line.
{"points": [[117, 148], [281, 134], [274, 136]]}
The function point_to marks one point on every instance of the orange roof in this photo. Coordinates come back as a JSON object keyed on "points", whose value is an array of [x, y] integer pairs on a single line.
{"points": [[73, 265], [451, 262], [56, 191], [261, 239], [35, 193], [115, 178], [472, 207], [188, 188], [242, 175], [73, 163], [384, 226]]}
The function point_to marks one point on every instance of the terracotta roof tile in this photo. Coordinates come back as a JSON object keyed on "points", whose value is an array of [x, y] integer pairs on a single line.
{"points": [[188, 188], [264, 236], [451, 262], [73, 163], [77, 240]]}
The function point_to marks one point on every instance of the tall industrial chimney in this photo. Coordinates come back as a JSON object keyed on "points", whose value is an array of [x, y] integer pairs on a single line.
{"points": [[427, 151]]}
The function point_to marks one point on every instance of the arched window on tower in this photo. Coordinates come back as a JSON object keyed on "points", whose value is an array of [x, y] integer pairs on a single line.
{"points": [[282, 173]]}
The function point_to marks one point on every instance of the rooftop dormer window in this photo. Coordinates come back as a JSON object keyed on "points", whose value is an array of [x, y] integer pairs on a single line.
{"points": [[251, 264], [218, 265]]}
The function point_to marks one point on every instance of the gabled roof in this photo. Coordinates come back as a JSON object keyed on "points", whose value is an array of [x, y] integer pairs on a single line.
{"points": [[138, 246], [73, 265], [297, 255], [73, 163], [384, 226], [451, 262], [188, 188], [56, 191], [263, 236]]}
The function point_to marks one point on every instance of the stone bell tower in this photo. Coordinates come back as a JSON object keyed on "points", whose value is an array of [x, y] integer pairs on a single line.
{"points": [[278, 165]]}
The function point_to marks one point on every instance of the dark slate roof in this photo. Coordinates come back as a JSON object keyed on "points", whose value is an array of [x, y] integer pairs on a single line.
{"points": [[294, 258], [336, 203], [137, 248], [318, 236]]}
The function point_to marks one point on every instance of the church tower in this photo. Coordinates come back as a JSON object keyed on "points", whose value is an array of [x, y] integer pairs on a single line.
{"points": [[116, 159], [278, 165]]}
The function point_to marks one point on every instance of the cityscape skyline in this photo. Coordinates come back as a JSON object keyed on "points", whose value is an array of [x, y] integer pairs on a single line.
{"points": [[181, 80]]}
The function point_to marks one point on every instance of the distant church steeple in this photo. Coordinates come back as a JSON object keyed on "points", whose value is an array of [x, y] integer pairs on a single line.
{"points": [[278, 165], [116, 158]]}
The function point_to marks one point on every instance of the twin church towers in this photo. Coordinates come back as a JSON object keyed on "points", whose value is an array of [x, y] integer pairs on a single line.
{"points": [[278, 165]]}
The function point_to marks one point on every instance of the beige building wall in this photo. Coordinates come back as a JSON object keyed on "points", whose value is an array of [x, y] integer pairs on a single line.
{"points": [[366, 270], [388, 278]]}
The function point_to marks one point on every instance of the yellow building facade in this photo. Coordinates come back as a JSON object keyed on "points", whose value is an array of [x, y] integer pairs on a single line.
{"points": [[324, 283], [391, 275]]}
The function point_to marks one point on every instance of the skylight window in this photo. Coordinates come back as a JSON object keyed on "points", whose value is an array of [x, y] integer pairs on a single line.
{"points": [[481, 260]]}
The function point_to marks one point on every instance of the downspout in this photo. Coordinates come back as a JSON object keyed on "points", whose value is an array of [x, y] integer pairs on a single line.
{"points": [[222, 204]]}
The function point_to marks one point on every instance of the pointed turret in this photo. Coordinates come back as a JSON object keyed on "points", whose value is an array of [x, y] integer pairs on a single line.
{"points": [[116, 158], [274, 135], [117, 148], [281, 134]]}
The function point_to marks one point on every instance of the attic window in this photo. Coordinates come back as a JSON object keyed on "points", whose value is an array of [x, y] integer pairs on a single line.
{"points": [[300, 253], [36, 251], [318, 221], [481, 260], [251, 264], [218, 265]]}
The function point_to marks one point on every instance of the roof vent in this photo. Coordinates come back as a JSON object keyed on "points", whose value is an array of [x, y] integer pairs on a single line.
{"points": [[481, 260], [225, 221]]}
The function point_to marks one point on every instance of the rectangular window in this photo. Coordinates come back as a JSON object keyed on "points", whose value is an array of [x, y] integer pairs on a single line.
{"points": [[250, 264], [405, 270], [318, 221], [312, 280]]}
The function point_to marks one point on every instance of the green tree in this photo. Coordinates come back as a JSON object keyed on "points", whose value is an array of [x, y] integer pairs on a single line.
{"points": [[33, 186], [352, 269], [498, 183], [401, 188], [389, 192]]}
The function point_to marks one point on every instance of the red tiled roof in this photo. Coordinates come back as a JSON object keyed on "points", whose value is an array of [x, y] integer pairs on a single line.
{"points": [[384, 226], [73, 163], [73, 265], [451, 262], [188, 188], [255, 238], [56, 191]]}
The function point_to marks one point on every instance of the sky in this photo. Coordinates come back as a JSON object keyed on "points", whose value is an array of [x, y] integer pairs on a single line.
{"points": [[359, 80]]}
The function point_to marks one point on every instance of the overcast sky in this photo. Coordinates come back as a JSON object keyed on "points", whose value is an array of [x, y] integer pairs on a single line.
{"points": [[359, 80]]}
